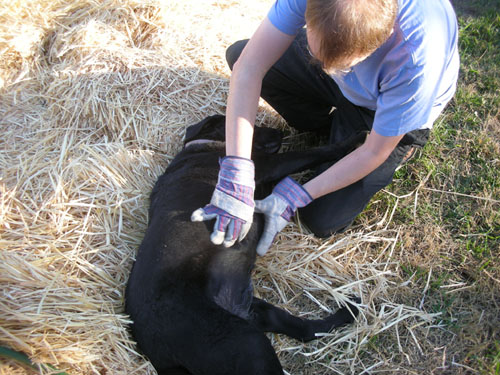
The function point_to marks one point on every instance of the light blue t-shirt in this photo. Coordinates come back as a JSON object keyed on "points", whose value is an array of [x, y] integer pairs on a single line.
{"points": [[410, 78]]}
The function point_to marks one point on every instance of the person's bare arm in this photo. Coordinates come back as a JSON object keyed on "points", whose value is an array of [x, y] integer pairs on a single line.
{"points": [[264, 48], [354, 166]]}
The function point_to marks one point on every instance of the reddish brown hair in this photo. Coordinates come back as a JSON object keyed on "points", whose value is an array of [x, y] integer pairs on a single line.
{"points": [[349, 28]]}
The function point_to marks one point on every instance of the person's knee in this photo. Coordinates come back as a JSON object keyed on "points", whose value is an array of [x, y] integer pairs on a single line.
{"points": [[321, 226], [335, 212], [318, 229], [233, 52]]}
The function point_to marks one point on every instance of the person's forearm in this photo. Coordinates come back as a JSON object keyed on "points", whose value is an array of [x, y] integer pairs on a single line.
{"points": [[244, 93], [261, 52], [353, 167]]}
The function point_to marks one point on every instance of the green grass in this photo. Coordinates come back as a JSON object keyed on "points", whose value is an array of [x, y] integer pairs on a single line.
{"points": [[453, 234]]}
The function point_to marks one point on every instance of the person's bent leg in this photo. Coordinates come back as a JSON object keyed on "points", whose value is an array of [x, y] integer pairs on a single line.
{"points": [[334, 212]]}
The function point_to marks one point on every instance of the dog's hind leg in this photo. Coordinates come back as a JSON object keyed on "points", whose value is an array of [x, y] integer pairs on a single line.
{"points": [[270, 318]]}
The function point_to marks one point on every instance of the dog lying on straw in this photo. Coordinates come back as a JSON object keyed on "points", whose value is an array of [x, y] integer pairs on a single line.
{"points": [[191, 301]]}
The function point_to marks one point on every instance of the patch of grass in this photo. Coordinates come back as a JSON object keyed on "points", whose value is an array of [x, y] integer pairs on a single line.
{"points": [[494, 357], [453, 232]]}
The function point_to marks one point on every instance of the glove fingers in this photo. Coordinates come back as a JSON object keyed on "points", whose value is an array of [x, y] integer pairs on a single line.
{"points": [[217, 237], [201, 215], [271, 229], [265, 242], [237, 231], [232, 233], [245, 228], [227, 230], [220, 227]]}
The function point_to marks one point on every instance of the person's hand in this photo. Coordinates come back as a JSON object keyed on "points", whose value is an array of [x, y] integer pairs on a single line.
{"points": [[232, 203], [279, 208]]}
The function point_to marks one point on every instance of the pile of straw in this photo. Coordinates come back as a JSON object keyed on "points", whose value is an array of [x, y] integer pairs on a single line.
{"points": [[95, 99]]}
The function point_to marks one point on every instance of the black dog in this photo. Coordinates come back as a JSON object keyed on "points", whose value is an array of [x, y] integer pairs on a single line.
{"points": [[191, 301]]}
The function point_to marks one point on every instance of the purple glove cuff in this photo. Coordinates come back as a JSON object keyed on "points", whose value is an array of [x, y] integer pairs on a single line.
{"points": [[237, 170], [293, 194], [237, 179]]}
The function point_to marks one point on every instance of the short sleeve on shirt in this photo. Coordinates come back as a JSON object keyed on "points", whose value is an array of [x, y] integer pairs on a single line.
{"points": [[288, 16], [405, 101]]}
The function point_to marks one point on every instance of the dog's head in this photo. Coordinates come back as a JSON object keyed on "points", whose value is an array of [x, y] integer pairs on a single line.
{"points": [[213, 128]]}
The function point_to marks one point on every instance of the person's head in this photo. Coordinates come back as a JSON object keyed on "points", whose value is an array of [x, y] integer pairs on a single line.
{"points": [[341, 33]]}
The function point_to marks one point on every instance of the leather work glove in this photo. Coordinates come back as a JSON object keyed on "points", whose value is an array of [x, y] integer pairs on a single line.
{"points": [[232, 203], [279, 208]]}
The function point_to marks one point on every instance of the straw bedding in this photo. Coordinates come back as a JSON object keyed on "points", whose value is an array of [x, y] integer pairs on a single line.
{"points": [[95, 99]]}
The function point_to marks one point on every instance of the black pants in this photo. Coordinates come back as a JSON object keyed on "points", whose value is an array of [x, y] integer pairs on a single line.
{"points": [[304, 95]]}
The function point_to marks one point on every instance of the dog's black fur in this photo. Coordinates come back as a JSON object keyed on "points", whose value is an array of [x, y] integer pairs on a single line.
{"points": [[191, 301]]}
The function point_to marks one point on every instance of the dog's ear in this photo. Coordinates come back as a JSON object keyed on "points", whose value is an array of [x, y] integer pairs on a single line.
{"points": [[211, 128]]}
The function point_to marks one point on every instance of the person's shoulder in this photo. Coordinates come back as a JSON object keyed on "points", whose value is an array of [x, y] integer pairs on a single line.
{"points": [[295, 4], [296, 7], [421, 20], [428, 30], [288, 15]]}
